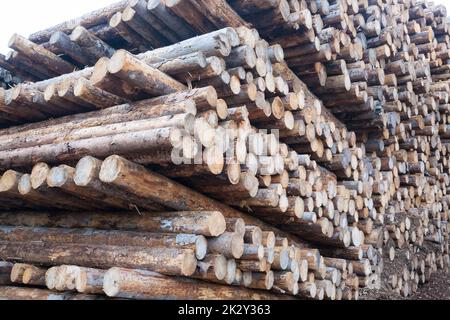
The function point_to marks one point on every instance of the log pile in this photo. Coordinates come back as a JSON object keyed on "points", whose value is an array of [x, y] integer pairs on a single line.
{"points": [[294, 160]]}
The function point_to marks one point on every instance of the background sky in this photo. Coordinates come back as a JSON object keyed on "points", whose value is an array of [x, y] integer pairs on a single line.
{"points": [[27, 16]]}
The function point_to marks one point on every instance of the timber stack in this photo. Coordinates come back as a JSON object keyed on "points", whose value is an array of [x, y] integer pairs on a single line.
{"points": [[195, 149]]}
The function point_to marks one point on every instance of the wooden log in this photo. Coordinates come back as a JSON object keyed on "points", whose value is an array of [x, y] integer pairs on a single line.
{"points": [[216, 43], [90, 281], [209, 224], [16, 293], [52, 131], [197, 244], [172, 21], [229, 244], [62, 41], [212, 268], [128, 34], [100, 147], [94, 46], [190, 14], [40, 55], [86, 91], [89, 20], [34, 276], [142, 76], [17, 272], [142, 27], [139, 284], [5, 273], [168, 261], [113, 172]]}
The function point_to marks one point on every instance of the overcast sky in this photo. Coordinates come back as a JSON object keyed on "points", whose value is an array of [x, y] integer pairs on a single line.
{"points": [[27, 16]]}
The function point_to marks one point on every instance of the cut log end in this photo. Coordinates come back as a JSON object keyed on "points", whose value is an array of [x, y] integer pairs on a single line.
{"points": [[13, 39], [24, 186], [189, 264], [111, 169], [77, 33], [217, 224], [9, 180]]}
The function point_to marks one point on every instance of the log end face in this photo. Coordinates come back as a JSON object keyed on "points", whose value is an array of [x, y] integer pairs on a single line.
{"points": [[220, 267], [128, 14], [347, 238], [313, 290], [152, 4], [171, 3], [235, 85], [284, 259], [247, 279], [27, 275], [270, 239], [231, 271], [17, 273], [234, 171], [261, 252], [278, 53]]}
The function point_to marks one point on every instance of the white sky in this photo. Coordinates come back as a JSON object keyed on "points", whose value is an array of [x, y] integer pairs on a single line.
{"points": [[27, 16]]}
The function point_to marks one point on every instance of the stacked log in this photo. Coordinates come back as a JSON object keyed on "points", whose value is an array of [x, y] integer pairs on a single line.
{"points": [[379, 58], [273, 198], [236, 253], [319, 136], [374, 76]]}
